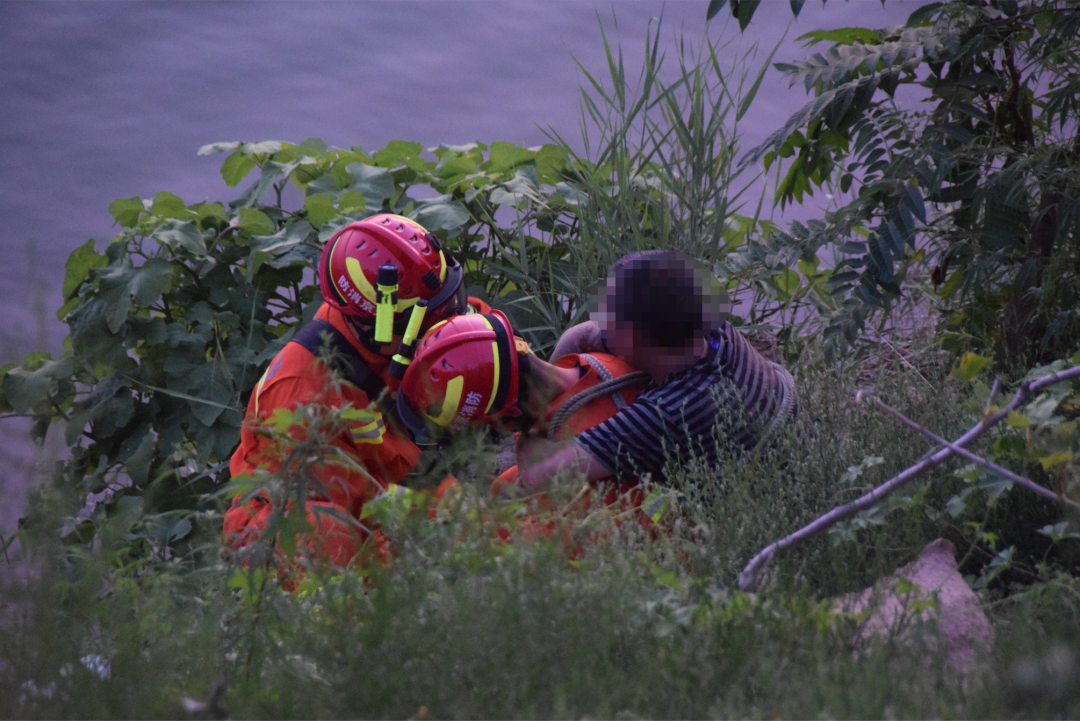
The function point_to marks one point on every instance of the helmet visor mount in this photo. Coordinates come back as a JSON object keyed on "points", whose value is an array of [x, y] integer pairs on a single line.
{"points": [[451, 299]]}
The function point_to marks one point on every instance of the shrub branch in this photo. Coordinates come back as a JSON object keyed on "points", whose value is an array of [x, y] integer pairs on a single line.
{"points": [[1026, 482], [748, 579]]}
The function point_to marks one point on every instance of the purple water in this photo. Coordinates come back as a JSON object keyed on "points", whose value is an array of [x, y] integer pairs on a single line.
{"points": [[104, 100]]}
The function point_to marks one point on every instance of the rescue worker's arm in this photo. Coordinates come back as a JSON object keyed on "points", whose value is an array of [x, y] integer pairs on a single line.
{"points": [[581, 338], [540, 459]]}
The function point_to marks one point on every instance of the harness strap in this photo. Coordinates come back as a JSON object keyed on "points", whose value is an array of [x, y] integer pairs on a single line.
{"points": [[605, 375], [608, 386], [328, 344]]}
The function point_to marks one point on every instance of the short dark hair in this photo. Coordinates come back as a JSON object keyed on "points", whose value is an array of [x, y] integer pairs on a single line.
{"points": [[659, 293]]}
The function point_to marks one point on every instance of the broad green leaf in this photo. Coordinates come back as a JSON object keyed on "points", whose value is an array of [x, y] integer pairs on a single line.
{"points": [[81, 261], [450, 166], [351, 201], [504, 157], [1018, 420], [320, 209], [441, 214], [550, 163], [715, 6], [271, 171], [24, 388], [184, 234], [150, 281], [787, 281], [147, 283], [236, 167], [395, 153], [255, 222], [312, 146], [167, 205], [208, 387], [126, 211], [971, 364], [374, 183], [1054, 460], [137, 454], [522, 188], [212, 210], [572, 194]]}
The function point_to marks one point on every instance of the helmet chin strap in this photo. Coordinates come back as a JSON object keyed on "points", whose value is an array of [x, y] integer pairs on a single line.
{"points": [[364, 335]]}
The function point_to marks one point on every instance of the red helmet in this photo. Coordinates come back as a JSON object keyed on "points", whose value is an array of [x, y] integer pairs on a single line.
{"points": [[465, 371], [378, 268]]}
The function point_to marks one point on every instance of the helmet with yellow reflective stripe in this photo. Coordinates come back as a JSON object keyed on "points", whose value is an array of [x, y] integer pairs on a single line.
{"points": [[375, 270], [465, 372]]}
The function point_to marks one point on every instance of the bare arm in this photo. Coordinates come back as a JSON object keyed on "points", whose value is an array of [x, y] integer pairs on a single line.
{"points": [[581, 338], [540, 459]]}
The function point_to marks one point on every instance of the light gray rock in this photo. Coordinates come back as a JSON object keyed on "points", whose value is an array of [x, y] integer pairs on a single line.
{"points": [[930, 588]]}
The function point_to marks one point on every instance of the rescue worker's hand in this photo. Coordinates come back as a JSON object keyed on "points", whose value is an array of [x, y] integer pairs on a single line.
{"points": [[540, 459]]}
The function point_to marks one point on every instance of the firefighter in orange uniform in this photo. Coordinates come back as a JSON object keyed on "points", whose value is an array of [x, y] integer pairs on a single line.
{"points": [[382, 279], [473, 370]]}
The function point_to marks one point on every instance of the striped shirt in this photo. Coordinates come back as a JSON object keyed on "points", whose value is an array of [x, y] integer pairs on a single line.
{"points": [[731, 395]]}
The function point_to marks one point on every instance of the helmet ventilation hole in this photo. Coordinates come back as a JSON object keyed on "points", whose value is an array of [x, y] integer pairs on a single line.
{"points": [[374, 253], [427, 250], [445, 364]]}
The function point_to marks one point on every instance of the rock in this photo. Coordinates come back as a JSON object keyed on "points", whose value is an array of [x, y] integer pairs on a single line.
{"points": [[930, 588]]}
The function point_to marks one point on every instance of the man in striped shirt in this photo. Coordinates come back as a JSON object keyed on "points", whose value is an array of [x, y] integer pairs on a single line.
{"points": [[711, 391]]}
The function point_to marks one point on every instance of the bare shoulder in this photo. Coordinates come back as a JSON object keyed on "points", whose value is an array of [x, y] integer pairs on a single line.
{"points": [[581, 338]]}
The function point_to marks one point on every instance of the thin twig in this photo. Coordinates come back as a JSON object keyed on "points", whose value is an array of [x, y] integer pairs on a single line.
{"points": [[749, 576], [1025, 482]]}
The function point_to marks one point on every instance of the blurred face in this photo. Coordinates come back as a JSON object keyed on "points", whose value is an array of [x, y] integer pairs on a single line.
{"points": [[628, 342], [658, 361]]}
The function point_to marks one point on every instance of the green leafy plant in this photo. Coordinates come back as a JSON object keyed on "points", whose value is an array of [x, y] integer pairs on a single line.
{"points": [[967, 205]]}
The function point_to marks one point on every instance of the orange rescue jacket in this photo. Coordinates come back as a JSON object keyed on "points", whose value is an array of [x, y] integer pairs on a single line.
{"points": [[374, 440]]}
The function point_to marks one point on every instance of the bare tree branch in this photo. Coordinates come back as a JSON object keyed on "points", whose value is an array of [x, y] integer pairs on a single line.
{"points": [[1025, 482], [748, 579]]}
